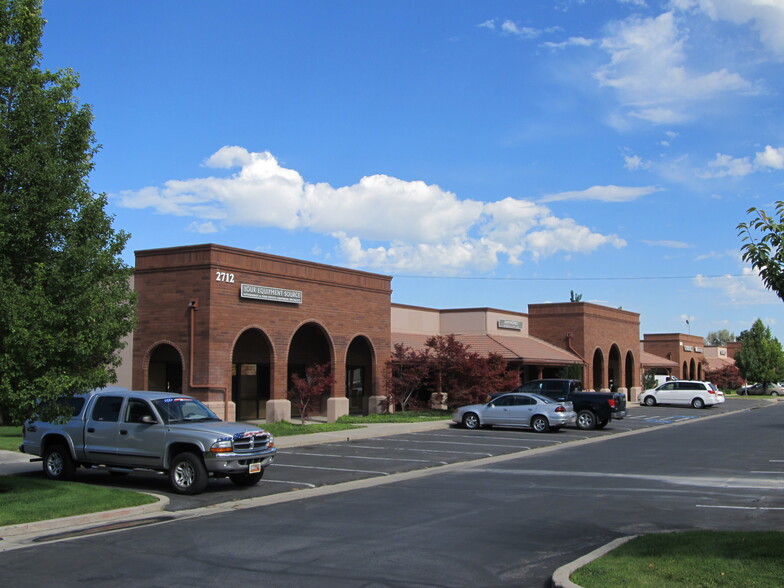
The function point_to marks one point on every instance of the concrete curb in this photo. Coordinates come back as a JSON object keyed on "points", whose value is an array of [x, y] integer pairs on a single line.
{"points": [[84, 520], [561, 575]]}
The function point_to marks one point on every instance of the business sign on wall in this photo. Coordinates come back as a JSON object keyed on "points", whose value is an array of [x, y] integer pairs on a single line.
{"points": [[514, 325], [270, 294]]}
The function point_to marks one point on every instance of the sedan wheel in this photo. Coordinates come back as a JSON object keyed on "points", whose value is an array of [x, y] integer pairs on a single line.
{"points": [[471, 421], [540, 424]]}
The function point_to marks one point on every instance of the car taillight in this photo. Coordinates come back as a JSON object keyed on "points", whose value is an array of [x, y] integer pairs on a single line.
{"points": [[611, 402], [560, 408], [711, 391]]}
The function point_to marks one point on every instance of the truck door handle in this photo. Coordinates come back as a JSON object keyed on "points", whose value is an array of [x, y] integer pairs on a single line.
{"points": [[90, 430], [123, 431]]}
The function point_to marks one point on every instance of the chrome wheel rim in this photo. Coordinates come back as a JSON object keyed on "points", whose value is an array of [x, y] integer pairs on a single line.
{"points": [[184, 474], [54, 464]]}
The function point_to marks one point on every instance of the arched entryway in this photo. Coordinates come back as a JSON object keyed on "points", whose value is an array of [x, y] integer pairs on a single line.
{"points": [[164, 370], [309, 346], [614, 369], [629, 375], [693, 371], [685, 374], [598, 369], [359, 375], [251, 374]]}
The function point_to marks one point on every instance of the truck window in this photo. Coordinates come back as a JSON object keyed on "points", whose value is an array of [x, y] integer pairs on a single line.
{"points": [[136, 410], [107, 409]]}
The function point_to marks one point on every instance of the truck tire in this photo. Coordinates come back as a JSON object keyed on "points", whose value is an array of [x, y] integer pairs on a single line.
{"points": [[187, 473], [586, 420], [540, 424], [58, 463], [601, 424], [246, 479]]}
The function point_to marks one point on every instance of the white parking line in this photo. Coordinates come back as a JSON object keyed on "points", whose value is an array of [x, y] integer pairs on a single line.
{"points": [[442, 442], [545, 440], [287, 465], [267, 481], [422, 450], [363, 457], [740, 507]]}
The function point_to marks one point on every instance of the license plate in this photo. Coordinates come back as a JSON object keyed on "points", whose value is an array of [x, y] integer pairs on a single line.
{"points": [[254, 468]]}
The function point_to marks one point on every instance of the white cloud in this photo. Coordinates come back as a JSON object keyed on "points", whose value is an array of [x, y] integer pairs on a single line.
{"points": [[764, 16], [668, 244], [570, 42], [512, 28], [726, 165], [635, 162], [647, 69], [203, 228], [422, 226], [744, 290], [603, 194]]}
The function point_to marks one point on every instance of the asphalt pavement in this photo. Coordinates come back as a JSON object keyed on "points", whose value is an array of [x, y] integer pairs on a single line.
{"points": [[316, 457]]}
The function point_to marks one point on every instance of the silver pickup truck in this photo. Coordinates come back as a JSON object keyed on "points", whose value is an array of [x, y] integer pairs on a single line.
{"points": [[123, 430]]}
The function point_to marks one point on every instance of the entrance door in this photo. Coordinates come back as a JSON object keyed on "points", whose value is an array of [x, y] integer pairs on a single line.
{"points": [[355, 389]]}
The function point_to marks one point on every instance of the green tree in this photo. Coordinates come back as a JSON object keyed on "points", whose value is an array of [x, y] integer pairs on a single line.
{"points": [[763, 247], [760, 358], [720, 338], [65, 299]]}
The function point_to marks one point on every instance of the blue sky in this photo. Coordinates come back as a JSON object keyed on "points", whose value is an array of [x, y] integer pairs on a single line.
{"points": [[484, 154]]}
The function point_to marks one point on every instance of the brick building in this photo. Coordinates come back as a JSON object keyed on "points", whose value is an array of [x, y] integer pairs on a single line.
{"points": [[230, 326], [687, 351], [607, 341]]}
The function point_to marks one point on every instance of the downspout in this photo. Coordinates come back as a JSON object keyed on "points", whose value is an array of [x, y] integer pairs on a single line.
{"points": [[193, 305]]}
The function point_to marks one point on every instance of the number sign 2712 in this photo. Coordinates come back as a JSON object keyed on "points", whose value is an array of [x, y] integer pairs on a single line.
{"points": [[224, 277]]}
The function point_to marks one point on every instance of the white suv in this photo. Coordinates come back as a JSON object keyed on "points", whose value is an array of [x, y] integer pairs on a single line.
{"points": [[686, 392]]}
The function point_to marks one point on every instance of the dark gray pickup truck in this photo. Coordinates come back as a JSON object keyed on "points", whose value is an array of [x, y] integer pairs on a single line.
{"points": [[123, 430], [594, 409]]}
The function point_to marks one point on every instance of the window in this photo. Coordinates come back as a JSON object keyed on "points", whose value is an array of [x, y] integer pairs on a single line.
{"points": [[504, 401], [136, 410], [107, 409], [524, 400]]}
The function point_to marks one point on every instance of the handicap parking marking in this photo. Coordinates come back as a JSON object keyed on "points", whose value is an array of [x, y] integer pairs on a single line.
{"points": [[671, 419]]}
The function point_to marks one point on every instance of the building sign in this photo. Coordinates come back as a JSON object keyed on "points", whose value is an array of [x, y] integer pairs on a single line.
{"points": [[698, 350], [270, 294], [514, 325], [687, 348]]}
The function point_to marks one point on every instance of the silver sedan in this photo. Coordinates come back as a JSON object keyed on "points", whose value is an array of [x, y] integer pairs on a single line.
{"points": [[517, 409]]}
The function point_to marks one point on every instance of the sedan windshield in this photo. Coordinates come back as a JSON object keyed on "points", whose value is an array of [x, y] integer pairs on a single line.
{"points": [[180, 409]]}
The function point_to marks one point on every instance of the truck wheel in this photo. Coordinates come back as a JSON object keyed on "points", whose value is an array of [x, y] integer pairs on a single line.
{"points": [[586, 420], [540, 424], [187, 473], [471, 421], [58, 463], [246, 479], [601, 424]]}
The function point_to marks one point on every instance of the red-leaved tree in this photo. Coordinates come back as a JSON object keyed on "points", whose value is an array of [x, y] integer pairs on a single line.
{"points": [[726, 378], [406, 374], [307, 391]]}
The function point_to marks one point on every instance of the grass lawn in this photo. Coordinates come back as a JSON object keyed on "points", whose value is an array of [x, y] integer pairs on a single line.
{"points": [[10, 437], [399, 417], [704, 559], [25, 500]]}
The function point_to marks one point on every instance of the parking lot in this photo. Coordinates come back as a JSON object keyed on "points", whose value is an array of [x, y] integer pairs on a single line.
{"points": [[301, 466]]}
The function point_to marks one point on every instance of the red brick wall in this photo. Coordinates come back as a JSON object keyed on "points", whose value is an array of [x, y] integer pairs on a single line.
{"points": [[345, 303], [592, 327]]}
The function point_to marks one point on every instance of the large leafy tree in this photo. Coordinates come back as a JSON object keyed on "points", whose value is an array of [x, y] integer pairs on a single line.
{"points": [[720, 337], [65, 299], [763, 246], [760, 358]]}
